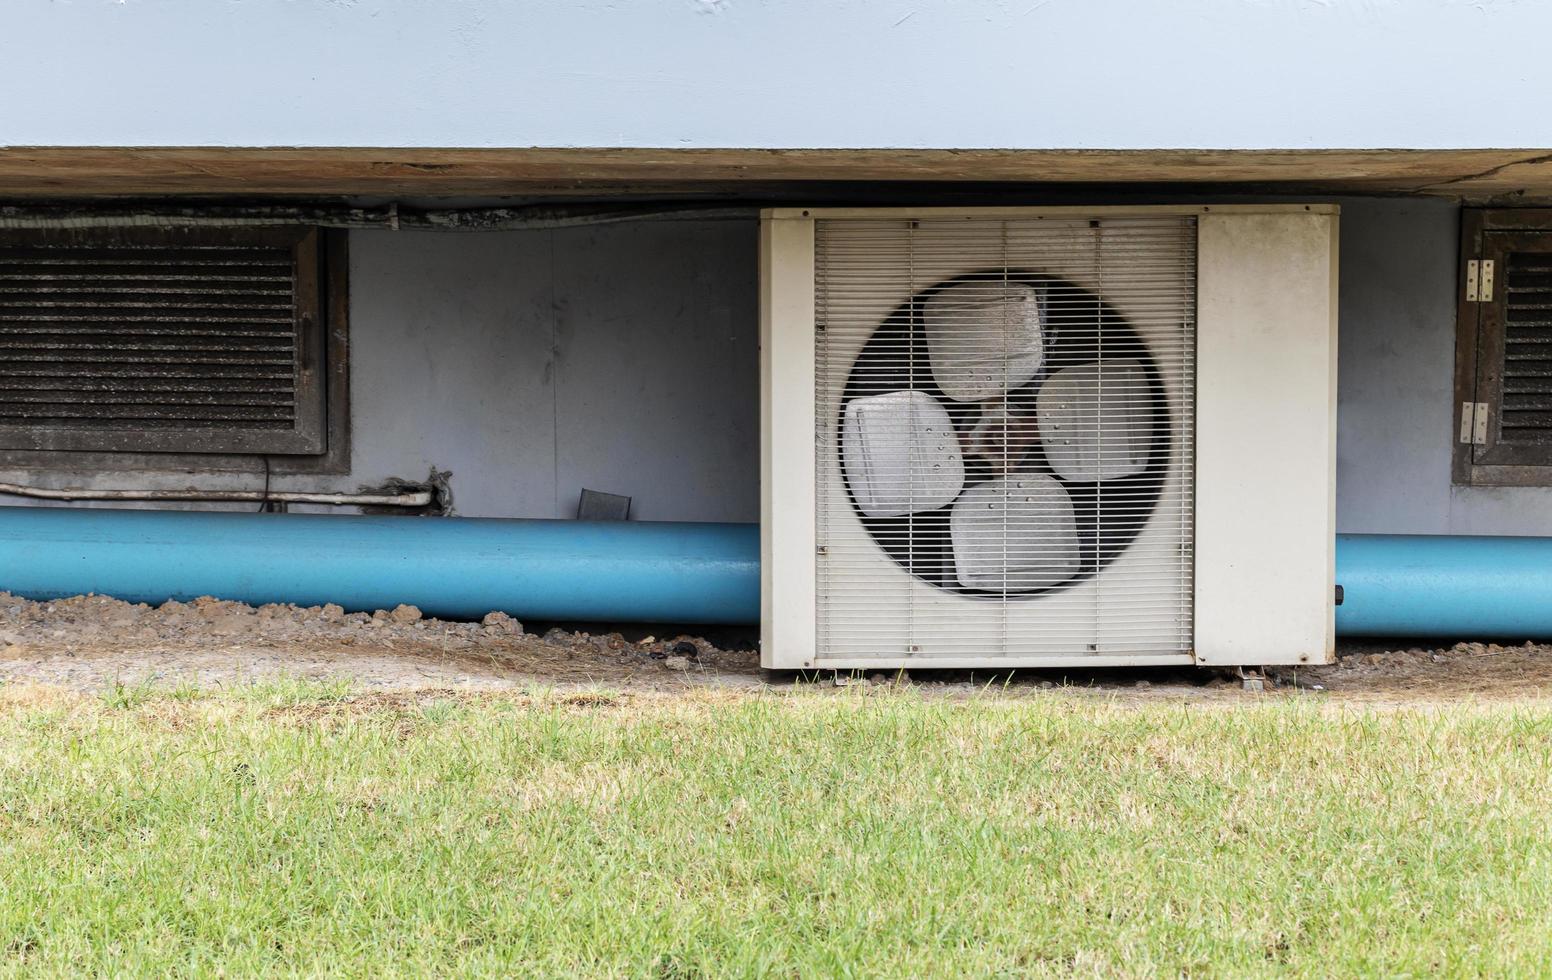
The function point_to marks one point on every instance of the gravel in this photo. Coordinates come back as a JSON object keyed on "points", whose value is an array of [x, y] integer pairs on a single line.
{"points": [[94, 642]]}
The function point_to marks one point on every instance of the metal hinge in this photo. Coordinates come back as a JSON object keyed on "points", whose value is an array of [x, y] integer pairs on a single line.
{"points": [[1473, 423], [1479, 280]]}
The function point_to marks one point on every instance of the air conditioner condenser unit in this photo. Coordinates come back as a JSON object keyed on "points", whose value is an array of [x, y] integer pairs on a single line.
{"points": [[1016, 437]]}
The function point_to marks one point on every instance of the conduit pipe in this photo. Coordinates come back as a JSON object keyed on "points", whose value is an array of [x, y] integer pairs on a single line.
{"points": [[393, 217], [457, 568], [415, 498]]}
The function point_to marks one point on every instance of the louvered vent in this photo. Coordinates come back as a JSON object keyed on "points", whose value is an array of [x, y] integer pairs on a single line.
{"points": [[160, 341], [1004, 446], [1526, 418]]}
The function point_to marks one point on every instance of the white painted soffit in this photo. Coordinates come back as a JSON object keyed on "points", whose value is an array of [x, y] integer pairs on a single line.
{"points": [[1013, 74]]}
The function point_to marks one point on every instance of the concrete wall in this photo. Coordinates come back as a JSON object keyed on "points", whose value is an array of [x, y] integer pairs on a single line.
{"points": [[1397, 363], [775, 73], [532, 364]]}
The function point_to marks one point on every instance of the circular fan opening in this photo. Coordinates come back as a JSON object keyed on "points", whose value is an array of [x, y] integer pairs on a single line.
{"points": [[1004, 434]]}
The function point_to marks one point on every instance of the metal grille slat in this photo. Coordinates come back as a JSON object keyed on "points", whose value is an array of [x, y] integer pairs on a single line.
{"points": [[1527, 363], [148, 336], [1116, 312]]}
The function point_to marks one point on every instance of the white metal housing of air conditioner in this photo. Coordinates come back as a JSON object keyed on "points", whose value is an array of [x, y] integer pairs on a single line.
{"points": [[1024, 437]]}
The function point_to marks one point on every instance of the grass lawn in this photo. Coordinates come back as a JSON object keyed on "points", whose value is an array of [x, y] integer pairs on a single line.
{"points": [[297, 828]]}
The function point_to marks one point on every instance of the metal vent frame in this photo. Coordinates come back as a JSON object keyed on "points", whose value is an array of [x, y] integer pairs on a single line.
{"points": [[203, 415]]}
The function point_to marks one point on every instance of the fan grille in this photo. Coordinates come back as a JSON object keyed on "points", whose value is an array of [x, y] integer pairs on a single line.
{"points": [[1005, 436]]}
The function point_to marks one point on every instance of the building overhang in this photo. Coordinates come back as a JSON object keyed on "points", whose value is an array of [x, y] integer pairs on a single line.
{"points": [[1476, 175]]}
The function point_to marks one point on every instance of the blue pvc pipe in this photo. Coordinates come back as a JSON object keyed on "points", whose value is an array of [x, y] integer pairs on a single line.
{"points": [[1393, 585], [1444, 586], [627, 571]]}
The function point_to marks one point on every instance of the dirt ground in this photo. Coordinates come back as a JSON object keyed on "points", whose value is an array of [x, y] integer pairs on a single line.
{"points": [[91, 643]]}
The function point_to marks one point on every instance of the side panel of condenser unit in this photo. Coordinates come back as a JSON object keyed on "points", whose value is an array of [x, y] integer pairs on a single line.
{"points": [[787, 567], [1266, 437]]}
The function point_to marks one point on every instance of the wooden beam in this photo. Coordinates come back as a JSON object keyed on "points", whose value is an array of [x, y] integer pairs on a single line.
{"points": [[34, 172]]}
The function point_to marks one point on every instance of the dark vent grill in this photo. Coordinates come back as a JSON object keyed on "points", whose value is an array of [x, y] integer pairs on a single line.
{"points": [[1527, 370], [185, 343]]}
